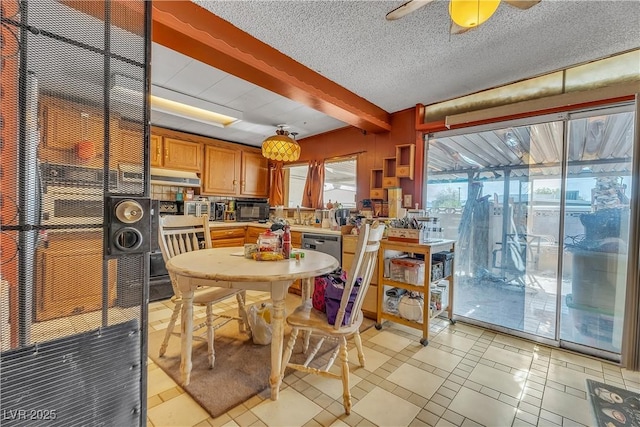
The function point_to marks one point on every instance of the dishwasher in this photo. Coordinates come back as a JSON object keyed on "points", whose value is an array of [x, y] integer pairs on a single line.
{"points": [[327, 243]]}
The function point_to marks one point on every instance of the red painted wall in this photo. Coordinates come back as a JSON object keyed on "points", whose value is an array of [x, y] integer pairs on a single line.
{"points": [[374, 148]]}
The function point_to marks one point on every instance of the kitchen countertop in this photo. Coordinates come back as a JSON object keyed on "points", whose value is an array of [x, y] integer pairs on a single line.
{"points": [[300, 228]]}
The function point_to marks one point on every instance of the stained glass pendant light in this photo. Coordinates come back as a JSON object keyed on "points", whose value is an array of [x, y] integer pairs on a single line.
{"points": [[280, 147]]}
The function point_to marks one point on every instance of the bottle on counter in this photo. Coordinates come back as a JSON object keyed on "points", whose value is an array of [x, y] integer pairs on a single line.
{"points": [[286, 242]]}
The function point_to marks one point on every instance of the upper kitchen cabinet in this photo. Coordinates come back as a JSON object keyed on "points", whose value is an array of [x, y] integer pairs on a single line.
{"points": [[177, 154], [131, 144], [231, 171], [221, 170], [155, 150], [255, 175], [74, 133]]}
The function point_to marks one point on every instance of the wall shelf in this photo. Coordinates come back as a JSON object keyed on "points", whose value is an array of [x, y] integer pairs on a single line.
{"points": [[376, 192], [405, 160], [389, 178]]}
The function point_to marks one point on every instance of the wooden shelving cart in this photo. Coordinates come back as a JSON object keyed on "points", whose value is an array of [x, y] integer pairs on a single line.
{"points": [[425, 249]]}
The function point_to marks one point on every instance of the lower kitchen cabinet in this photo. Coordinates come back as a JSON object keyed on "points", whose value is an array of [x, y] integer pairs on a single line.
{"points": [[227, 237], [370, 304], [252, 234], [296, 243], [69, 276]]}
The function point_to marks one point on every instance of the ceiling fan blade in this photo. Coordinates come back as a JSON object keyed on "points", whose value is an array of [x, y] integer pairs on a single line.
{"points": [[522, 4], [407, 8]]}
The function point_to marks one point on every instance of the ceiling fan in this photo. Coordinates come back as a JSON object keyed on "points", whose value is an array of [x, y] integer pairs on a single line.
{"points": [[465, 14]]}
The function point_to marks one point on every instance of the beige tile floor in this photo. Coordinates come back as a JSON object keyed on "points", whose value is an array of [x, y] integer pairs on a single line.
{"points": [[466, 376]]}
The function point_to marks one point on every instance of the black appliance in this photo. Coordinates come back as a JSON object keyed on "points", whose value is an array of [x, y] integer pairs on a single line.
{"points": [[131, 268], [248, 210], [342, 216], [170, 207], [159, 282], [217, 211]]}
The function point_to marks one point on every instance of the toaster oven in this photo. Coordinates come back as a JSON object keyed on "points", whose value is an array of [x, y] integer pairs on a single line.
{"points": [[196, 207]]}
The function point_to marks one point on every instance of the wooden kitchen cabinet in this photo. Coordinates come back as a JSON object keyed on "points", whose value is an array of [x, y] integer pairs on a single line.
{"points": [[255, 175], [61, 288], [65, 123], [296, 243], [155, 150], [230, 171], [221, 170], [251, 236], [370, 304], [227, 237], [181, 155], [131, 146]]}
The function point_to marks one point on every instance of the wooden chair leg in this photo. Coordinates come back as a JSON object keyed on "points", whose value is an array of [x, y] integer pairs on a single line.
{"points": [[210, 336], [346, 393], [169, 331], [358, 341], [305, 342], [288, 351], [243, 323]]}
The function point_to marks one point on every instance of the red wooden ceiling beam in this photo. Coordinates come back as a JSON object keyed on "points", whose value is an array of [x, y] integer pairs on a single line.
{"points": [[193, 31]]}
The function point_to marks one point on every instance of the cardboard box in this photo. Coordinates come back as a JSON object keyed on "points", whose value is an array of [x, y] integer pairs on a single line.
{"points": [[408, 235]]}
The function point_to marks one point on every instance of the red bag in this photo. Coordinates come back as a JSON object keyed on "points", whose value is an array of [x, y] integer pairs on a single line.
{"points": [[317, 299]]}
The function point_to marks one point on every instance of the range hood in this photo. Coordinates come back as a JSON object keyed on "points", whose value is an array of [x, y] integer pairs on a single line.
{"points": [[174, 178]]}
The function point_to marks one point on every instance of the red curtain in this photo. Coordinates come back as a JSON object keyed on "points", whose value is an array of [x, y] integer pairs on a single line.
{"points": [[276, 190], [314, 187]]}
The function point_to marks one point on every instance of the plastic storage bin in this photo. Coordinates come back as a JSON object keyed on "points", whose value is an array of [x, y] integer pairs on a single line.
{"points": [[446, 258], [437, 271], [407, 270]]}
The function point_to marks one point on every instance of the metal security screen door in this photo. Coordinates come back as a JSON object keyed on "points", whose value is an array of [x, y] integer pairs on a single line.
{"points": [[74, 234]]}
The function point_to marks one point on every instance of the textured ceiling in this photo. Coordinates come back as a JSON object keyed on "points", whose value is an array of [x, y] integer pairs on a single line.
{"points": [[394, 65], [397, 64]]}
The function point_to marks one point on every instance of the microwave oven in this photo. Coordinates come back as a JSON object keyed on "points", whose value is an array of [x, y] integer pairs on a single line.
{"points": [[252, 210], [196, 208]]}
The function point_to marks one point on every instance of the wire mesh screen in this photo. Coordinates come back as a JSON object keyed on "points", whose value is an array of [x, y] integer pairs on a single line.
{"points": [[73, 146]]}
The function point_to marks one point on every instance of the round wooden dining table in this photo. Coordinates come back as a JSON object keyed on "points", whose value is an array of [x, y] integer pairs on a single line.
{"points": [[227, 267]]}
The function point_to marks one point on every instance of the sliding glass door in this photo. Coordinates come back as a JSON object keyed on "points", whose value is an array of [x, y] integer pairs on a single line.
{"points": [[540, 211], [594, 267], [507, 245]]}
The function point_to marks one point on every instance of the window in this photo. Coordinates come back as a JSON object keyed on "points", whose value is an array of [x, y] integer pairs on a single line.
{"points": [[339, 182], [297, 176]]}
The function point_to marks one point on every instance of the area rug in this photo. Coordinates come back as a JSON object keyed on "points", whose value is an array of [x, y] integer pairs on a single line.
{"points": [[613, 406], [241, 367]]}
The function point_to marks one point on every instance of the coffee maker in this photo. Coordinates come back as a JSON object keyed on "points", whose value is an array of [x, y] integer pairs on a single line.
{"points": [[342, 216], [217, 210]]}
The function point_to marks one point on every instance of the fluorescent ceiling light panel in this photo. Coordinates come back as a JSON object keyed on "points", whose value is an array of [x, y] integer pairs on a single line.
{"points": [[178, 104]]}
